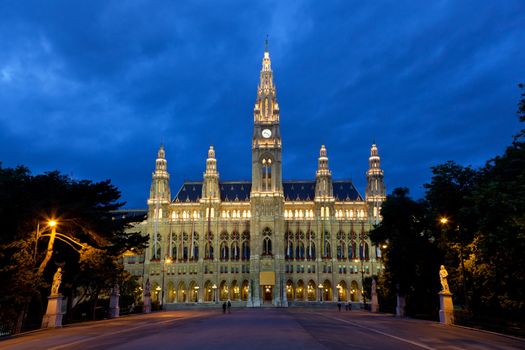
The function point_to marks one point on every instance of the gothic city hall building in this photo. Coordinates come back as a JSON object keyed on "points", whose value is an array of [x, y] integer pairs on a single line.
{"points": [[264, 242]]}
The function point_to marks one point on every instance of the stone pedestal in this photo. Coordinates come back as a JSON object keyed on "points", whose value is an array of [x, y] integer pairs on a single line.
{"points": [[446, 308], [375, 302], [400, 308], [114, 309], [147, 304], [53, 316]]}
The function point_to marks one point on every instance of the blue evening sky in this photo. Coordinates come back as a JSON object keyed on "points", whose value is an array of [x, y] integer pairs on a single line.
{"points": [[91, 88]]}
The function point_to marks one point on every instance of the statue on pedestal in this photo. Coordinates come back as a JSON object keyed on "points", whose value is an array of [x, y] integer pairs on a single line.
{"points": [[443, 278], [57, 279]]}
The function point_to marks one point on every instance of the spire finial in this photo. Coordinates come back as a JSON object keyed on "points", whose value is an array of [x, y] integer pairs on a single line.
{"points": [[266, 44]]}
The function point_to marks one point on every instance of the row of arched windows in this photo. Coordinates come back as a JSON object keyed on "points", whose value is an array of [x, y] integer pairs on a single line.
{"points": [[237, 247]]}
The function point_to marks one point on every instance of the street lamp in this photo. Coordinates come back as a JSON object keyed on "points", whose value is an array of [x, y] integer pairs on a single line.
{"points": [[196, 294], [214, 287], [444, 221], [320, 286], [166, 261]]}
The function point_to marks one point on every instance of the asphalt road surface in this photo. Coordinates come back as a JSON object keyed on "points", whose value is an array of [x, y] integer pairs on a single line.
{"points": [[293, 328]]}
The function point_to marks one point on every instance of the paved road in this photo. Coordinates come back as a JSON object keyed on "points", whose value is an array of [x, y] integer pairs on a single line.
{"points": [[294, 328]]}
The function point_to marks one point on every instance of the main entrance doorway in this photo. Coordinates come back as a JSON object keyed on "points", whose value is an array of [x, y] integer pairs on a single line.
{"points": [[267, 294]]}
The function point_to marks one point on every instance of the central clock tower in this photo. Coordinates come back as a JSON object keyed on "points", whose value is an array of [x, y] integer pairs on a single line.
{"points": [[267, 198], [266, 141]]}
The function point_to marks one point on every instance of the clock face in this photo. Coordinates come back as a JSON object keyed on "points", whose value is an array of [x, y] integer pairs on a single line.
{"points": [[266, 133]]}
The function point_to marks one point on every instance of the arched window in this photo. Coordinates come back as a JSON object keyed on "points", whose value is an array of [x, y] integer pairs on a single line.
{"points": [[361, 252], [367, 252], [327, 250], [341, 250], [235, 251], [267, 246], [299, 251], [351, 250], [289, 246], [310, 251], [208, 253], [185, 253], [224, 250], [266, 175], [173, 252], [246, 250], [195, 251]]}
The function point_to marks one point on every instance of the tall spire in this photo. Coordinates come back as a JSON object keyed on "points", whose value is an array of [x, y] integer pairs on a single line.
{"points": [[375, 189], [266, 107], [210, 188], [160, 190], [266, 44]]}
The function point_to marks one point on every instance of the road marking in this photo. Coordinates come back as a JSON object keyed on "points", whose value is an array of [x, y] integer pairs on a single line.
{"points": [[380, 332], [113, 333]]}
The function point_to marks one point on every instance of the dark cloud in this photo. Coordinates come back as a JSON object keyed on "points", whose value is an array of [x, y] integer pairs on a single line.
{"points": [[92, 88]]}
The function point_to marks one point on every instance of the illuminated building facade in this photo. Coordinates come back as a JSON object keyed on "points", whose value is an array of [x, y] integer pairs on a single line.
{"points": [[267, 241]]}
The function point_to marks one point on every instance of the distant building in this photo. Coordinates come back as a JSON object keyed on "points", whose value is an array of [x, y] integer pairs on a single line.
{"points": [[264, 241]]}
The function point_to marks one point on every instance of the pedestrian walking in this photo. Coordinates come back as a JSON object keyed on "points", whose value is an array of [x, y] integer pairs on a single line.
{"points": [[346, 305], [224, 307], [339, 306], [229, 306]]}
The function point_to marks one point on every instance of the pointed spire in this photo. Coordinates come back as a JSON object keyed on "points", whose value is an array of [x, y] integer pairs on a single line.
{"points": [[323, 186], [266, 44], [211, 152], [160, 178], [210, 188], [323, 159], [374, 160], [161, 154], [266, 107]]}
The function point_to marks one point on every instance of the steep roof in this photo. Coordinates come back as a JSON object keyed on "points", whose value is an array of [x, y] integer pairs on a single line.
{"points": [[232, 191]]}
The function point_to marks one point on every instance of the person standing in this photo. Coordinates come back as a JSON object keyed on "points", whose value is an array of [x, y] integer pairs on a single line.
{"points": [[229, 306], [339, 306], [224, 307]]}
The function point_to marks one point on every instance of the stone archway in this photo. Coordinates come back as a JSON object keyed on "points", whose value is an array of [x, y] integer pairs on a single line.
{"points": [[342, 291], [193, 292], [170, 297], [208, 291], [181, 292], [235, 291], [311, 291], [300, 290], [155, 292], [245, 290], [354, 291], [289, 290], [223, 291], [327, 291]]}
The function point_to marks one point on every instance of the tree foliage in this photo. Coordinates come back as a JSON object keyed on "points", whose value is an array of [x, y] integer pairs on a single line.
{"points": [[89, 241], [481, 245], [409, 253]]}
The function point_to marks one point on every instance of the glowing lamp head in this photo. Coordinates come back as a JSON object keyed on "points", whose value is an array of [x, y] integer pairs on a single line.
{"points": [[443, 220], [52, 223]]}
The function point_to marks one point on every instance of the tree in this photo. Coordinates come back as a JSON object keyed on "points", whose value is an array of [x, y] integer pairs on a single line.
{"points": [[89, 242], [497, 262], [449, 197], [411, 258]]}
